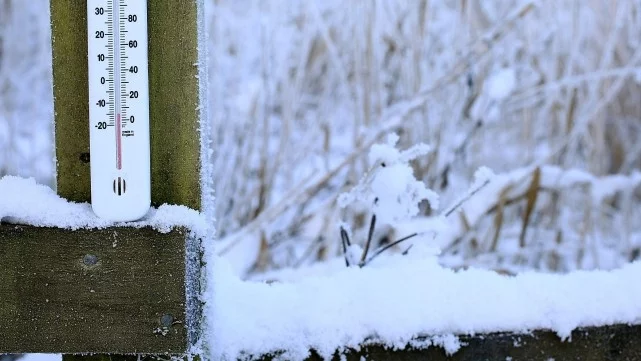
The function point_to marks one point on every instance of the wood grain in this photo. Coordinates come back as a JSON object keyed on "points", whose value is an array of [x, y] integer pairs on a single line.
{"points": [[174, 91], [116, 290], [71, 98]]}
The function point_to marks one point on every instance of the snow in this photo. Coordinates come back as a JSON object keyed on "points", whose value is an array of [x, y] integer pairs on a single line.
{"points": [[395, 299], [23, 201], [501, 84], [41, 357], [390, 188]]}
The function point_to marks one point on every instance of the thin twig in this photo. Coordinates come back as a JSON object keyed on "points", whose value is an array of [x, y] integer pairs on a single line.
{"points": [[383, 249], [372, 225], [346, 243], [466, 198]]}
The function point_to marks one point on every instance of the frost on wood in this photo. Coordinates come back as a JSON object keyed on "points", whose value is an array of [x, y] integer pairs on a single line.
{"points": [[206, 145]]}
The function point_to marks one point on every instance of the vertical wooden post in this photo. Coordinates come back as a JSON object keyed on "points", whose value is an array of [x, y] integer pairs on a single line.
{"points": [[174, 103], [174, 100]]}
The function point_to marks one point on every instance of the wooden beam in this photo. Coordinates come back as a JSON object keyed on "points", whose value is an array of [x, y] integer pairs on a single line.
{"points": [[173, 96], [611, 343], [116, 290]]}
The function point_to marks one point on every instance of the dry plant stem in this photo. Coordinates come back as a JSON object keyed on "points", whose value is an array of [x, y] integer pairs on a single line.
{"points": [[372, 225], [383, 249], [466, 198], [405, 252], [498, 218], [584, 121], [255, 224], [572, 81], [346, 243], [264, 170], [314, 245], [532, 196]]}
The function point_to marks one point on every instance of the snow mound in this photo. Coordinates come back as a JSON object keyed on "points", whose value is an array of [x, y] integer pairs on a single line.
{"points": [[396, 299], [23, 201], [390, 187]]}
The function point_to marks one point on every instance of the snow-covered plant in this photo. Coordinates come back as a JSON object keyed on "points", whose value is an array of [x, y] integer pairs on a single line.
{"points": [[390, 187], [391, 190]]}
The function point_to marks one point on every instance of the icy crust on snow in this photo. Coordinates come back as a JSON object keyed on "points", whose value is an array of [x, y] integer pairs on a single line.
{"points": [[23, 201], [397, 299]]}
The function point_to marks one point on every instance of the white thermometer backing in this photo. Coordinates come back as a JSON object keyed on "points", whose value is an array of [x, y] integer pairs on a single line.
{"points": [[119, 108]]}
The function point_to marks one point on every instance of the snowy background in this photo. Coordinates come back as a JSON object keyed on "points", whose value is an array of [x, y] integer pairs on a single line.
{"points": [[299, 90], [544, 93]]}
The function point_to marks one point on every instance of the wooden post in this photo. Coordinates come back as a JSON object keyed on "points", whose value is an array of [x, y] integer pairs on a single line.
{"points": [[173, 96], [117, 290]]}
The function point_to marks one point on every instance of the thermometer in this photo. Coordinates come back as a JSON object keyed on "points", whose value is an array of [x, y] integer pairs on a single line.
{"points": [[119, 109]]}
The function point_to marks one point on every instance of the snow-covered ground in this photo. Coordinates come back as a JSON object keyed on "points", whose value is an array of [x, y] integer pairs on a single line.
{"points": [[543, 92]]}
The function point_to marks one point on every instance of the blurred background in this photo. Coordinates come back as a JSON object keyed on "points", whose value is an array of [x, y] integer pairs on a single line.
{"points": [[546, 93]]}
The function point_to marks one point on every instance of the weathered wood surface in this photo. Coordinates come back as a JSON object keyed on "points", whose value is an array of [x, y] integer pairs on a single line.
{"points": [[612, 343], [173, 97], [116, 290], [71, 98], [174, 91]]}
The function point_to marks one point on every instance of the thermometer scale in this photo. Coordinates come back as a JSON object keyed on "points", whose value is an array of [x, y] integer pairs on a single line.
{"points": [[119, 108]]}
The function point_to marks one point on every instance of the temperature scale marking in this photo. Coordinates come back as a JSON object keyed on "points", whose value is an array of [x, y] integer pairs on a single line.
{"points": [[119, 108], [115, 16]]}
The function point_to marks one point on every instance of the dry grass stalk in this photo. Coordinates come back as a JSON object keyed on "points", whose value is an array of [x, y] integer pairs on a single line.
{"points": [[531, 196]]}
